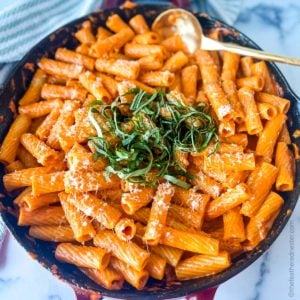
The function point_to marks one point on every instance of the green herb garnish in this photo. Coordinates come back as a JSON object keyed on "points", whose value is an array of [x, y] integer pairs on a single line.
{"points": [[147, 133]]}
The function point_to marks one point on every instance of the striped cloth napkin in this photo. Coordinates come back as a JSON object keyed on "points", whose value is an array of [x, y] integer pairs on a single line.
{"points": [[24, 23]]}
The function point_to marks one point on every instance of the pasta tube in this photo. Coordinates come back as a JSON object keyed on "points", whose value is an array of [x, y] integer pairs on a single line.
{"points": [[261, 222], [237, 161], [58, 139], [234, 225], [113, 42], [190, 198], [52, 215], [174, 43], [148, 38], [228, 200], [266, 111], [194, 242], [134, 50], [39, 109], [138, 279], [79, 158], [189, 77], [83, 181], [260, 182], [205, 183], [42, 152], [70, 56], [50, 91], [109, 83], [22, 178], [158, 213], [156, 266], [139, 25], [45, 127], [202, 265], [246, 65], [186, 216], [255, 82], [125, 229], [120, 67], [171, 254], [282, 104], [47, 183], [136, 199], [109, 278], [80, 224], [54, 67], [9, 147], [151, 62], [176, 62], [96, 208], [82, 256], [286, 168], [157, 78], [260, 68], [128, 252], [33, 92], [52, 233], [32, 202], [26, 158], [230, 66], [284, 135], [85, 35], [94, 85], [253, 122], [267, 140], [115, 23]]}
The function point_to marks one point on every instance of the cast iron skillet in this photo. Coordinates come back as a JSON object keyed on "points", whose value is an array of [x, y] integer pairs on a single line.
{"points": [[15, 87]]}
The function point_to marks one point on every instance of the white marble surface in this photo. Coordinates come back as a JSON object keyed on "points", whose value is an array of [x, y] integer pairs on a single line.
{"points": [[275, 26]]}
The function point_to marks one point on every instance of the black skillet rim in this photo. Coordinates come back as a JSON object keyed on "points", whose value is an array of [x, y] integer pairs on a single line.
{"points": [[191, 286]]}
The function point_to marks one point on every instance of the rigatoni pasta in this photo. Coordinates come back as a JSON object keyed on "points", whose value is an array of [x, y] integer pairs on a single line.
{"points": [[128, 252], [82, 256], [268, 138], [94, 207], [80, 224], [138, 279], [33, 93], [52, 215], [52, 233], [286, 168], [109, 277], [9, 147], [140, 159], [158, 214], [202, 265]]}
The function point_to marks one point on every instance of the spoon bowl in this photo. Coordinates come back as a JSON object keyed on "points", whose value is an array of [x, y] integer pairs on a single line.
{"points": [[185, 24], [181, 22]]}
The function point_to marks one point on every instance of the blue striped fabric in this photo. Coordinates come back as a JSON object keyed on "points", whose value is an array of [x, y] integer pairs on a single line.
{"points": [[24, 23]]}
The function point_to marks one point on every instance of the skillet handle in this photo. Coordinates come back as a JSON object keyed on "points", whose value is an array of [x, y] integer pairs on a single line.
{"points": [[115, 3], [81, 294], [208, 294]]}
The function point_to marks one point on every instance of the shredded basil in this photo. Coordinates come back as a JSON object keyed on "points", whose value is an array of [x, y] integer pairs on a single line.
{"points": [[157, 126]]}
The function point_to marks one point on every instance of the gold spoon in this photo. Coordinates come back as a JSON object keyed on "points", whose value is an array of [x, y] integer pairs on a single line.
{"points": [[184, 23]]}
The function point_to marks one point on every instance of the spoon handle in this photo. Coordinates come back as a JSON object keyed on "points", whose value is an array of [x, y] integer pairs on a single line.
{"points": [[209, 44]]}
